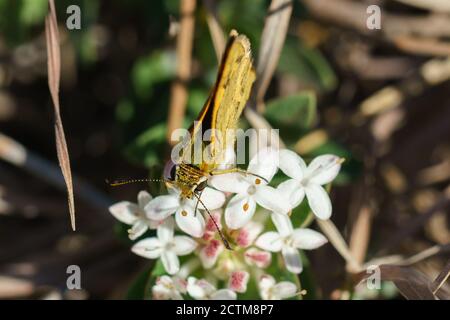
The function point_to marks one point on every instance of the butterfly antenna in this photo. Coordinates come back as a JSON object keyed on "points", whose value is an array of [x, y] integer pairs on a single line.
{"points": [[196, 204], [225, 241], [121, 182]]}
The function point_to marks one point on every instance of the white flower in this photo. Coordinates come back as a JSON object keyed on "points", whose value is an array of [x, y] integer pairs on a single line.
{"points": [[165, 246], [200, 289], [134, 214], [289, 240], [187, 220], [270, 290], [251, 189], [309, 180], [167, 288], [246, 237]]}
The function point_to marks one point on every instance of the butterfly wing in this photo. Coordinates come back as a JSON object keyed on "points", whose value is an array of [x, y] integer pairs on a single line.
{"points": [[227, 99]]}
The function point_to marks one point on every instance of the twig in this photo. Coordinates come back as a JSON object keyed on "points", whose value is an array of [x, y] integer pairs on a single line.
{"points": [[54, 74], [422, 46], [179, 94], [433, 5], [352, 14], [338, 242]]}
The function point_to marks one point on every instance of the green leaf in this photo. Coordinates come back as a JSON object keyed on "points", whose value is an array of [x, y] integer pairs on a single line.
{"points": [[296, 111], [307, 64], [307, 280], [141, 288], [152, 69], [147, 147], [33, 11]]}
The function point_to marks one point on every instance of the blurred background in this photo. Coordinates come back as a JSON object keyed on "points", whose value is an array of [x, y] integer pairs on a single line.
{"points": [[379, 98]]}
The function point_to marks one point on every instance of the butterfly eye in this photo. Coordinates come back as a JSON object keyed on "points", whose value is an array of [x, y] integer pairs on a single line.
{"points": [[170, 170], [201, 186]]}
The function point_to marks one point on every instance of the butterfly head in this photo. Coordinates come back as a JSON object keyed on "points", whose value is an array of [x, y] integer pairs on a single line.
{"points": [[187, 178]]}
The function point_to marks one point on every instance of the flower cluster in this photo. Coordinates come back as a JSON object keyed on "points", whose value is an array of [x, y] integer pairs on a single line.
{"points": [[239, 205]]}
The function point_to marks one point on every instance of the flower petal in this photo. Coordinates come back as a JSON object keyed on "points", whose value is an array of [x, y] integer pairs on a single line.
{"points": [[149, 248], [319, 201], [187, 221], [161, 207], [239, 211], [258, 258], [292, 164], [238, 281], [212, 199], [160, 292], [183, 245], [283, 224], [270, 241], [124, 211], [271, 199], [308, 239], [248, 234], [292, 260], [224, 294], [230, 182], [323, 169], [165, 231], [293, 191], [264, 163], [210, 252], [170, 261], [211, 227], [265, 285], [284, 290], [137, 230], [199, 289], [143, 198]]}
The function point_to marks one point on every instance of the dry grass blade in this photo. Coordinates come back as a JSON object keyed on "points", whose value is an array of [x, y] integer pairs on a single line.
{"points": [[442, 278], [412, 284], [217, 34], [54, 72], [401, 261], [360, 235], [272, 40], [179, 94]]}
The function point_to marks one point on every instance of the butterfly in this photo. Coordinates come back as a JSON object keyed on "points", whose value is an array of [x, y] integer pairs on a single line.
{"points": [[220, 116], [220, 113]]}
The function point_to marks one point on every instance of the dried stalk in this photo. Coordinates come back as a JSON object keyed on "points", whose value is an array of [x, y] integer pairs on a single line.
{"points": [[179, 93], [54, 74]]}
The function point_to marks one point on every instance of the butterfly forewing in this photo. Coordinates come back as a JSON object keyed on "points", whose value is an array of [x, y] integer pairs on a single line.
{"points": [[227, 99]]}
